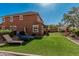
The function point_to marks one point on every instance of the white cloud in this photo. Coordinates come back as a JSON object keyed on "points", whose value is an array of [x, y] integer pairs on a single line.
{"points": [[45, 4], [48, 6]]}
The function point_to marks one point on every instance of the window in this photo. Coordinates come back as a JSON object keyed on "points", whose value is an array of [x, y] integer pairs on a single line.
{"points": [[20, 17], [35, 28], [10, 27], [13, 27], [3, 27], [11, 18]]}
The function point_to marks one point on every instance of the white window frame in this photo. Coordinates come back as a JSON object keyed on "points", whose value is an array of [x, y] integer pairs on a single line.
{"points": [[14, 27], [11, 27], [11, 18], [20, 17], [3, 27], [35, 30]]}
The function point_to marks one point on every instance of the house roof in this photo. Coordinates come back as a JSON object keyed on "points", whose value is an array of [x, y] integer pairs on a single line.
{"points": [[24, 13]]}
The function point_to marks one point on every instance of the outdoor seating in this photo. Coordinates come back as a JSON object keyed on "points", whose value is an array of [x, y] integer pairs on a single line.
{"points": [[10, 40], [24, 37]]}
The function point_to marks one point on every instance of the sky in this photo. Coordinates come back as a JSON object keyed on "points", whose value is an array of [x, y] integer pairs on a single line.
{"points": [[51, 13]]}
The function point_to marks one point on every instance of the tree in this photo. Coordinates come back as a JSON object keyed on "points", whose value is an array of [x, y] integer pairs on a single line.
{"points": [[71, 19], [53, 28]]}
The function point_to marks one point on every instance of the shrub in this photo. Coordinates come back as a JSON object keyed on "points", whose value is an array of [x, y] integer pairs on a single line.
{"points": [[76, 32], [12, 33], [5, 31], [22, 33]]}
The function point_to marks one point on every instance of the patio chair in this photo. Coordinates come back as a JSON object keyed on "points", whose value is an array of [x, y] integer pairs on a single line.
{"points": [[24, 37], [10, 40]]}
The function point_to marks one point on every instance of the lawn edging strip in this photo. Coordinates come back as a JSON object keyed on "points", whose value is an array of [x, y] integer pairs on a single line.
{"points": [[17, 53], [72, 40]]}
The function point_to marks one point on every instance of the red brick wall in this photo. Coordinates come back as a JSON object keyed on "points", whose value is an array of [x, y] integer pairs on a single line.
{"points": [[28, 21]]}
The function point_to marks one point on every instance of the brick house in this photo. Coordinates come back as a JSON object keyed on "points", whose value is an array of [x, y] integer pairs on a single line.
{"points": [[30, 22]]}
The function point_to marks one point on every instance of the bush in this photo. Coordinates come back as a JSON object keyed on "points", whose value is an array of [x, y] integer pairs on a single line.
{"points": [[76, 32], [12, 33], [22, 33], [5, 31]]}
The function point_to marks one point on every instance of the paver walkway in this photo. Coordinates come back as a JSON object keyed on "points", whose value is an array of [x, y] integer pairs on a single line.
{"points": [[76, 41], [6, 54], [9, 53]]}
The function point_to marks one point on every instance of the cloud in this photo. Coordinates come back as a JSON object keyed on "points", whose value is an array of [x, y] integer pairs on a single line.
{"points": [[48, 5], [45, 4]]}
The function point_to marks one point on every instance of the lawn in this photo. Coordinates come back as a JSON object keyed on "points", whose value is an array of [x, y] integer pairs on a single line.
{"points": [[54, 45]]}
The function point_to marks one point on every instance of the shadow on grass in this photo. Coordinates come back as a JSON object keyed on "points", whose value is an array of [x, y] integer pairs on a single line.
{"points": [[25, 42], [29, 40]]}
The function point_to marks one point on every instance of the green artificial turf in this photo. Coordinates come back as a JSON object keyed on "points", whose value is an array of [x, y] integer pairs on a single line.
{"points": [[53, 45]]}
